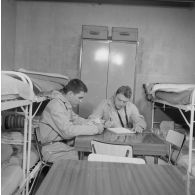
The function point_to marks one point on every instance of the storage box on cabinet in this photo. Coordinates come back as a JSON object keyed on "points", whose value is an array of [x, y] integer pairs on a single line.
{"points": [[94, 32], [124, 34]]}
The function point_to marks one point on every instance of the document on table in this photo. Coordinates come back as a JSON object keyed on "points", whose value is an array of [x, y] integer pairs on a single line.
{"points": [[121, 130]]}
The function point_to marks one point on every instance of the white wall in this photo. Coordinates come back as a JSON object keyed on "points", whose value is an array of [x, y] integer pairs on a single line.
{"points": [[48, 39], [8, 32]]}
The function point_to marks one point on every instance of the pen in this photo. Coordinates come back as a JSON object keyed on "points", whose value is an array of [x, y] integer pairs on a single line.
{"points": [[146, 132]]}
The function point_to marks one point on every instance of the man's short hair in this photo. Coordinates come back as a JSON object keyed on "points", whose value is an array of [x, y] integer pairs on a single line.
{"points": [[125, 90], [76, 86]]}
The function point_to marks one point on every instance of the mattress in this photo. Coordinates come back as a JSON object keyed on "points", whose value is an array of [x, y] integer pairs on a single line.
{"points": [[11, 167], [34, 158], [44, 82], [6, 152], [12, 150], [184, 161], [13, 87], [52, 77], [176, 94], [181, 98], [11, 177]]}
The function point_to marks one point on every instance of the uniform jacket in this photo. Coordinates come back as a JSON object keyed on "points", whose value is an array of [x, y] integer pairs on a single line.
{"points": [[106, 111], [59, 122]]}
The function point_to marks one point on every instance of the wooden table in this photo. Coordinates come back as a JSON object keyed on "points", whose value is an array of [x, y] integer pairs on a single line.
{"points": [[144, 144], [79, 177]]}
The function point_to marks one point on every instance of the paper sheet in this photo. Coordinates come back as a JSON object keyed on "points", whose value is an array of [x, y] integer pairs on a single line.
{"points": [[121, 130]]}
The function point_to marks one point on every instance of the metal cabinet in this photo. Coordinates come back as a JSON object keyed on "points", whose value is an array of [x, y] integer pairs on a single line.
{"points": [[105, 65]]}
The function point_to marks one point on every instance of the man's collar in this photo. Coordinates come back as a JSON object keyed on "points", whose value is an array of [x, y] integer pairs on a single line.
{"points": [[60, 96], [67, 103]]}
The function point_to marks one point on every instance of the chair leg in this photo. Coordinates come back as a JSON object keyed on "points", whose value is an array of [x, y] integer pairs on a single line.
{"points": [[81, 155], [155, 159], [37, 180], [170, 153]]}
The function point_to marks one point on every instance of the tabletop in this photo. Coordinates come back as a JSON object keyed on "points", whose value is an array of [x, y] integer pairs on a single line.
{"points": [[145, 143], [79, 177]]}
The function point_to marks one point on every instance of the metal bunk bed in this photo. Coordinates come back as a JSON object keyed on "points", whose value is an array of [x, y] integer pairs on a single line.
{"points": [[164, 94], [22, 86]]}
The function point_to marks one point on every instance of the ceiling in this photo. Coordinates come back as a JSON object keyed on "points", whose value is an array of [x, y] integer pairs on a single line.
{"points": [[171, 3]]}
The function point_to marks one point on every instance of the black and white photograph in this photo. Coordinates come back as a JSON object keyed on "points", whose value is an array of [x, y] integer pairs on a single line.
{"points": [[97, 97]]}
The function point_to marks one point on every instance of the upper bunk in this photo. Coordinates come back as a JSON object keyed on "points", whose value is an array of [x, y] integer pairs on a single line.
{"points": [[181, 96], [22, 87]]}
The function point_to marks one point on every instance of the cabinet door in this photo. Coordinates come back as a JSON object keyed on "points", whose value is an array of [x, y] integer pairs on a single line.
{"points": [[94, 65], [121, 70]]}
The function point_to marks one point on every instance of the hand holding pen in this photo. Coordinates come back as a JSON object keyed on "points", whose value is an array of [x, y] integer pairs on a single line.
{"points": [[99, 123], [138, 129], [108, 123]]}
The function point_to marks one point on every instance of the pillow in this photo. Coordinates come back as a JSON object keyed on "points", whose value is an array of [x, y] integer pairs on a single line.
{"points": [[6, 152], [12, 138]]}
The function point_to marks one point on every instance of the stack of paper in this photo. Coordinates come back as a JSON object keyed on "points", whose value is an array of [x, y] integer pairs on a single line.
{"points": [[121, 130]]}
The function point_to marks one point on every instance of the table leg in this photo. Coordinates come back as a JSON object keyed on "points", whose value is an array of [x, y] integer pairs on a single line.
{"points": [[81, 155], [155, 160]]}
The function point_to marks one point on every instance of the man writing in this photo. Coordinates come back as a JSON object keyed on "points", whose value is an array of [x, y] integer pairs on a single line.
{"points": [[118, 111], [59, 123]]}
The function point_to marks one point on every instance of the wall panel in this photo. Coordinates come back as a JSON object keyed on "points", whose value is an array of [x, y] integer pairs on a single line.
{"points": [[8, 33], [48, 39]]}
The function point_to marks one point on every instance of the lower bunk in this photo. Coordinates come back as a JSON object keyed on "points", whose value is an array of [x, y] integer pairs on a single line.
{"points": [[183, 160], [12, 175]]}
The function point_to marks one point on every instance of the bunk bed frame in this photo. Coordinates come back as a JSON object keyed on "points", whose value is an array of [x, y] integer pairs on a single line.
{"points": [[191, 123], [26, 106]]}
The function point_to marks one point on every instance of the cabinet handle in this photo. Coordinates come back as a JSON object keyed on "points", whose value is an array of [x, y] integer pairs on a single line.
{"points": [[124, 33], [94, 33]]}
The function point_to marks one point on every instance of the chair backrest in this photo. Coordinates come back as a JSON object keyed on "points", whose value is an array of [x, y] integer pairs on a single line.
{"points": [[38, 142], [176, 140], [111, 149], [118, 159]]}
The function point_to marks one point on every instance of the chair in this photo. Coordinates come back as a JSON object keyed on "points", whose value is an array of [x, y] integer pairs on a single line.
{"points": [[117, 159], [38, 145], [111, 149], [175, 140]]}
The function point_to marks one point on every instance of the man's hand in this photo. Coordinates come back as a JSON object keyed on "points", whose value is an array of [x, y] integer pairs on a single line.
{"points": [[100, 127], [139, 129], [108, 124]]}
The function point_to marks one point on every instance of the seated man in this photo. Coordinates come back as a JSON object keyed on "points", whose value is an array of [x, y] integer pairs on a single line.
{"points": [[118, 111], [59, 123]]}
